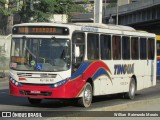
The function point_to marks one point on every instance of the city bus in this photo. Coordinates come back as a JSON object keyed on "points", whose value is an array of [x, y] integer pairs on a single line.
{"points": [[158, 56], [79, 61]]}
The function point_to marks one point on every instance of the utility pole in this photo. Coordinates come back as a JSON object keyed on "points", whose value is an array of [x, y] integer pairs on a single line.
{"points": [[105, 7], [97, 11], [117, 10]]}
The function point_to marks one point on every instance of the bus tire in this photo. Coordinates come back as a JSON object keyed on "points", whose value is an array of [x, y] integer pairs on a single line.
{"points": [[132, 90], [34, 101], [86, 100]]}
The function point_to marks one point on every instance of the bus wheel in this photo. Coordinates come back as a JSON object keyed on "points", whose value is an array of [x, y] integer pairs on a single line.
{"points": [[132, 90], [86, 100], [34, 101]]}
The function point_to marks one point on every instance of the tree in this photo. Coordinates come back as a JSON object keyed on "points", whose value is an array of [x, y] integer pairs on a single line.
{"points": [[8, 8], [80, 8], [35, 10], [42, 10]]}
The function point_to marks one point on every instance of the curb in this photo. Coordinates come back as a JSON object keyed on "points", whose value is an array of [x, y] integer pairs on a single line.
{"points": [[120, 107], [125, 106]]}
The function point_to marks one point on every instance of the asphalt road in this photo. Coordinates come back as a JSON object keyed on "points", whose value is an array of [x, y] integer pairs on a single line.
{"points": [[10, 103]]}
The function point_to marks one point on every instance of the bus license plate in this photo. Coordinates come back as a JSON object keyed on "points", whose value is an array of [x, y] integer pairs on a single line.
{"points": [[46, 80], [35, 92]]}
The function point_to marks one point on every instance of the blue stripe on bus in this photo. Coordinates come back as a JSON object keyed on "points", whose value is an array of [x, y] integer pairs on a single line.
{"points": [[80, 70], [100, 72]]}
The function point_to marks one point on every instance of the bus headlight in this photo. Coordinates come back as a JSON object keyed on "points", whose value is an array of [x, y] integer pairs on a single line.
{"points": [[15, 82], [58, 84]]}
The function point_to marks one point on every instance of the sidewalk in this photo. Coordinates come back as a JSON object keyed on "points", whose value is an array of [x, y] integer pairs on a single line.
{"points": [[4, 80], [136, 107]]}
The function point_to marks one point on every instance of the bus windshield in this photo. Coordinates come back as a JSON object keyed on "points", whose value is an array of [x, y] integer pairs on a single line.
{"points": [[40, 54]]}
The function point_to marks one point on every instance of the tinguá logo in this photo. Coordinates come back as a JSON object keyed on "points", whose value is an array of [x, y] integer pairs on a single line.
{"points": [[123, 69]]}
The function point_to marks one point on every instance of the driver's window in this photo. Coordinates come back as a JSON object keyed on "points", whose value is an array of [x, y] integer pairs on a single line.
{"points": [[78, 39], [17, 49]]}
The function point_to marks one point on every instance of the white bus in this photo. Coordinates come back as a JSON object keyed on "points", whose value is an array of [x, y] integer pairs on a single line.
{"points": [[79, 61]]}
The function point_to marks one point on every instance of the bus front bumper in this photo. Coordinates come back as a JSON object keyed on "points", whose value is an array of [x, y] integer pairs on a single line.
{"points": [[69, 90]]}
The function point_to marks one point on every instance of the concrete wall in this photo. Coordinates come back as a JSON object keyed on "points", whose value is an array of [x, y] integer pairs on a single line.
{"points": [[5, 43], [60, 18], [123, 2]]}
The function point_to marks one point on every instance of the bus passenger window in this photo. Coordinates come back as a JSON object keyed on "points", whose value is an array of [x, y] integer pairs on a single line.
{"points": [[116, 47], [134, 48], [125, 48], [93, 46], [158, 48], [105, 41], [143, 48], [151, 46]]}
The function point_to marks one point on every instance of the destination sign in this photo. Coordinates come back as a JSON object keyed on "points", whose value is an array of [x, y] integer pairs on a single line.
{"points": [[40, 30]]}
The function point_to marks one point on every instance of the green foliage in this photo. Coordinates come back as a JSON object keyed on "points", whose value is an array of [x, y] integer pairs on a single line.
{"points": [[39, 10], [112, 3], [86, 1], [8, 8], [78, 8], [24, 11]]}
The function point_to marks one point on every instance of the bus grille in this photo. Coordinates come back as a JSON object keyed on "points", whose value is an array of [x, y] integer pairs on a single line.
{"points": [[24, 92], [36, 84], [37, 75]]}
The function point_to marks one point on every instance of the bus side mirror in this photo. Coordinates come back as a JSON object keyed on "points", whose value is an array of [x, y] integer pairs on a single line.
{"points": [[77, 51]]}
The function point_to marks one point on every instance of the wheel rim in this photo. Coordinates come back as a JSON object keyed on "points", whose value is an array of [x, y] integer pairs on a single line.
{"points": [[87, 95], [132, 89]]}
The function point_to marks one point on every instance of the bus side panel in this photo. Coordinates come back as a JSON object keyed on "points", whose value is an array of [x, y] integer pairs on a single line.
{"points": [[158, 66], [150, 73], [95, 71], [139, 73]]}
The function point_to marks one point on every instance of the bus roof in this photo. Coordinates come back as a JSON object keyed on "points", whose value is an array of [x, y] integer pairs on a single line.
{"points": [[119, 29], [106, 26], [96, 25]]}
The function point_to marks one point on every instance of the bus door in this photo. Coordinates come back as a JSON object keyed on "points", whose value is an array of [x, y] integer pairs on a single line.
{"points": [[158, 58], [126, 53], [137, 61], [149, 63]]}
